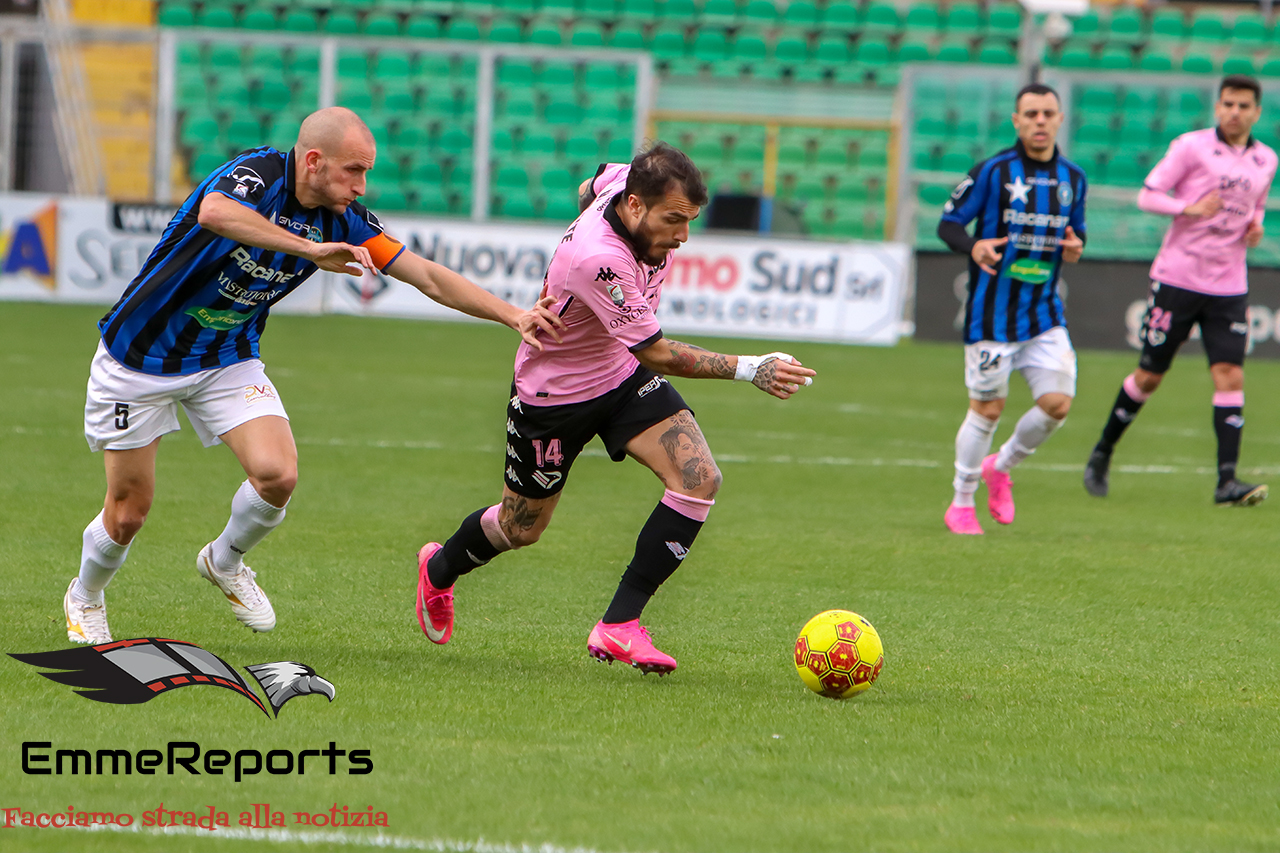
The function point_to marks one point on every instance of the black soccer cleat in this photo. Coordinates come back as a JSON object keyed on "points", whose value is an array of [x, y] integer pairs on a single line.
{"points": [[1235, 493], [1096, 473]]}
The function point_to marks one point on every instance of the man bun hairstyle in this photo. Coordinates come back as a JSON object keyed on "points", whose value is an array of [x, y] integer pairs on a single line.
{"points": [[1242, 81], [1035, 89], [654, 171]]}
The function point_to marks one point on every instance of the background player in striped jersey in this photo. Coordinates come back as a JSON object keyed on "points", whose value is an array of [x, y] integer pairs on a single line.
{"points": [[1219, 178], [186, 332], [1029, 205]]}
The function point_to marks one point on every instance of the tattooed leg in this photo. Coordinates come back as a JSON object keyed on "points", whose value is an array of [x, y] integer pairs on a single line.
{"points": [[522, 520], [677, 452]]}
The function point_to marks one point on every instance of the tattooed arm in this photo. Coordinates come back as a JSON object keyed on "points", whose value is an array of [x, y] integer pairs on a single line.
{"points": [[674, 358]]}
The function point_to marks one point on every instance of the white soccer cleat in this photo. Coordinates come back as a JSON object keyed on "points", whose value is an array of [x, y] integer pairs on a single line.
{"points": [[86, 623], [248, 602]]}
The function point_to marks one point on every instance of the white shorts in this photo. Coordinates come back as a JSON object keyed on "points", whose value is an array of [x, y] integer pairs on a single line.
{"points": [[1047, 362], [126, 409]]}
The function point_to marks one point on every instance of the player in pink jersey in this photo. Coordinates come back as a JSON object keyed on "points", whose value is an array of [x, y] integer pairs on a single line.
{"points": [[1219, 179], [607, 377]]}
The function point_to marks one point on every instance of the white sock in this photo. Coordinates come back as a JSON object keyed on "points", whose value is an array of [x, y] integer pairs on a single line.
{"points": [[100, 558], [973, 443], [1032, 430], [252, 519]]}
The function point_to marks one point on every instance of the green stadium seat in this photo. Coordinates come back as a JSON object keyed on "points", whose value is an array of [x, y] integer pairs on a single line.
{"points": [[271, 95], [627, 37], [339, 22], [872, 51], [430, 198], [173, 14], [224, 56], [841, 16], [1271, 67], [545, 31], [399, 96], [1094, 133], [539, 144], [423, 27], [1207, 26], [462, 29], [682, 12], [954, 51], [1136, 134], [791, 49], [723, 13], [599, 10], [964, 18], [1239, 64], [936, 195], [1198, 63], [748, 47], [923, 19], [800, 15], [1087, 27], [644, 11], [881, 18], [216, 17], [559, 10], [620, 150], [582, 147], [243, 133], [1116, 58], [1075, 57], [710, 45], [516, 8], [356, 98], [668, 42], [392, 198], [392, 64], [832, 49], [760, 15], [1155, 60], [300, 21], [1168, 24], [997, 52], [426, 171], [455, 141], [259, 19], [1250, 29], [1126, 25], [1098, 99], [199, 130], [914, 50], [380, 24], [506, 31], [1005, 19], [586, 34], [204, 164]]}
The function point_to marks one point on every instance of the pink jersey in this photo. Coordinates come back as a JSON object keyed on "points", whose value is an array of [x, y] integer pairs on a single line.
{"points": [[607, 299], [1207, 254]]}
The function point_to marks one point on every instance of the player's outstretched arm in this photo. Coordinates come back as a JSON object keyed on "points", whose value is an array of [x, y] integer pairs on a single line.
{"points": [[776, 373], [445, 286], [228, 218]]}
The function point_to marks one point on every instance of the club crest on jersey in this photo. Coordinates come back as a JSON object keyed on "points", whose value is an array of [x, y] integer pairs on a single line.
{"points": [[247, 181], [1064, 193], [615, 293], [547, 479]]}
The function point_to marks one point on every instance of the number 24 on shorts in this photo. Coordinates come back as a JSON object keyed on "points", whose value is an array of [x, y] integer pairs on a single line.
{"points": [[986, 361]]}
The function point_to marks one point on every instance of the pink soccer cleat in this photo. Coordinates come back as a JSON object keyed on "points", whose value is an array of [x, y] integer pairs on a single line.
{"points": [[999, 491], [628, 642], [962, 519], [435, 606]]}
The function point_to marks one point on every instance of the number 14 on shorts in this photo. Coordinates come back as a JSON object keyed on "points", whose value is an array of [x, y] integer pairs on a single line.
{"points": [[550, 455]]}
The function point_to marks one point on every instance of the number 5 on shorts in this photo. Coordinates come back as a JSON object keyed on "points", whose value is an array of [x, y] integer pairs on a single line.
{"points": [[122, 415]]}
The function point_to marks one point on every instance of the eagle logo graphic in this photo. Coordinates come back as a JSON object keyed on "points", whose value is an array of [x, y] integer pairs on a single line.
{"points": [[130, 672], [285, 679]]}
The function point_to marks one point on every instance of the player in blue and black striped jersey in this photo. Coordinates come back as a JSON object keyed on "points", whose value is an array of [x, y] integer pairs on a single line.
{"points": [[186, 333], [1029, 205]]}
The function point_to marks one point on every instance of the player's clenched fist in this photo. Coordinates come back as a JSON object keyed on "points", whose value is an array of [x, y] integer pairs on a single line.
{"points": [[777, 373]]}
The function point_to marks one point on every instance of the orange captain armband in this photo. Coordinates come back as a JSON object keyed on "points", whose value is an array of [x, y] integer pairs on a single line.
{"points": [[383, 249]]}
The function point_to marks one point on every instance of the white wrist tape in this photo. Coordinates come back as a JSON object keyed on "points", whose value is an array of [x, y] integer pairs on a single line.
{"points": [[749, 365]]}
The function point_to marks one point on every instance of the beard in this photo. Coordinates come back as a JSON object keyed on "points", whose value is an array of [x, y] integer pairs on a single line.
{"points": [[643, 239]]}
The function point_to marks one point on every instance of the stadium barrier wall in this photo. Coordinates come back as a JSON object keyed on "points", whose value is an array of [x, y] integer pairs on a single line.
{"points": [[87, 250], [1105, 301]]}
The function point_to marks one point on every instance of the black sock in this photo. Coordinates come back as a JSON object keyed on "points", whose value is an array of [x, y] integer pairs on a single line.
{"points": [[1122, 414], [466, 549], [664, 541], [1228, 422]]}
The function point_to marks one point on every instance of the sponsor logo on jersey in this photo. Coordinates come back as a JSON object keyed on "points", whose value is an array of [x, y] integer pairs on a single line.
{"points": [[219, 321], [1038, 220], [652, 385], [311, 232], [511, 451], [547, 479], [615, 293], [1032, 272], [246, 262], [257, 393], [511, 429], [606, 274], [247, 181], [511, 475], [679, 550]]}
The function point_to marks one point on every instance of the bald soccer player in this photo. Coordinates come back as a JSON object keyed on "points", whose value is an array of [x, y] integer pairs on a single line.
{"points": [[186, 332]]}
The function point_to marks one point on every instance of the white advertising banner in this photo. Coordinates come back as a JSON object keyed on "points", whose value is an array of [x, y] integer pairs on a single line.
{"points": [[729, 286], [88, 250]]}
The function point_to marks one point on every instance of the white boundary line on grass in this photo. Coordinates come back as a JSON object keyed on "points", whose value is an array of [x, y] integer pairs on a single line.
{"points": [[838, 461], [378, 840]]}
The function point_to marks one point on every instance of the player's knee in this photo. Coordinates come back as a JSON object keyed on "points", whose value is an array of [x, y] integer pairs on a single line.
{"points": [[714, 484], [1056, 406], [520, 537], [1147, 381], [275, 484], [124, 516]]}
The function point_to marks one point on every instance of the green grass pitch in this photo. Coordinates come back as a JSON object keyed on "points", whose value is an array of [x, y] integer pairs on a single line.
{"points": [[1098, 676]]}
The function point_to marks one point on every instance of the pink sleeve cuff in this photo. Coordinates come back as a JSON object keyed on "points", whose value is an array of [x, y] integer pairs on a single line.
{"points": [[1155, 202]]}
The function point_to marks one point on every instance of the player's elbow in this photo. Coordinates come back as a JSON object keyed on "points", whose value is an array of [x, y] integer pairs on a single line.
{"points": [[212, 213]]}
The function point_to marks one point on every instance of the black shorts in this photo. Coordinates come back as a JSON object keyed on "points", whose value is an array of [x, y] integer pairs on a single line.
{"points": [[543, 441], [1172, 311]]}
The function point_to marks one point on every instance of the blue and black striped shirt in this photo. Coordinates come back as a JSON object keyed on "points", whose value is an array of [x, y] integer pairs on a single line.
{"points": [[201, 300], [1032, 203]]}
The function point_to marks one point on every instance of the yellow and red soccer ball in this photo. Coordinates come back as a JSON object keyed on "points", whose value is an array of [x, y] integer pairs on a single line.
{"points": [[838, 654]]}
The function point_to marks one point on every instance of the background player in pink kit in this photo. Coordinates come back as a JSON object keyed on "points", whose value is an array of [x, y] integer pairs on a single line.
{"points": [[1219, 179], [607, 377]]}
